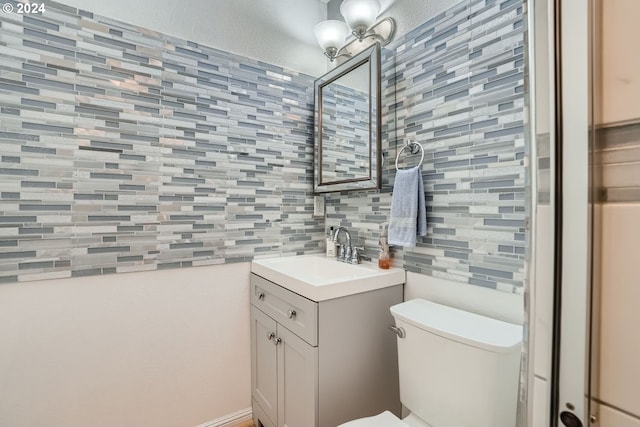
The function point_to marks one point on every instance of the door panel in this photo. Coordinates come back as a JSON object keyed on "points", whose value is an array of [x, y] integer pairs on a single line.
{"points": [[619, 349], [297, 382], [264, 373], [260, 419], [610, 417]]}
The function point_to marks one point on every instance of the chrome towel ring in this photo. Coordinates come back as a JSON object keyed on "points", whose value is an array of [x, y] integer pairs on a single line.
{"points": [[409, 144]]}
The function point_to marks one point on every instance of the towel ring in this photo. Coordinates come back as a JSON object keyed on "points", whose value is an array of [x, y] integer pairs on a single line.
{"points": [[408, 144]]}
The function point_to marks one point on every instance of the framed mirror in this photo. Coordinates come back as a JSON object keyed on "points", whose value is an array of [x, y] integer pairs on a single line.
{"points": [[347, 125]]}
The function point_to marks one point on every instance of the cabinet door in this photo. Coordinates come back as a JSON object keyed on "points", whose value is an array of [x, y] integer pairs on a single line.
{"points": [[297, 381], [264, 374], [259, 417]]}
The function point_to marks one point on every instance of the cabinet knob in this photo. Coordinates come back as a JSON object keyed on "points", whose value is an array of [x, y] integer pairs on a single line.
{"points": [[277, 340], [270, 335], [261, 296], [291, 314]]}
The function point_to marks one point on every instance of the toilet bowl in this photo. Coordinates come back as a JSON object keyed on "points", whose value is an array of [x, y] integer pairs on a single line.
{"points": [[457, 369], [386, 419]]}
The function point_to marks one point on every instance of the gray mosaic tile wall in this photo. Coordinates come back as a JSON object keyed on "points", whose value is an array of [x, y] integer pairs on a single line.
{"points": [[123, 149], [459, 87]]}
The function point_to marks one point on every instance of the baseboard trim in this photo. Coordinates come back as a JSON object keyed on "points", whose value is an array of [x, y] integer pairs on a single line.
{"points": [[240, 418]]}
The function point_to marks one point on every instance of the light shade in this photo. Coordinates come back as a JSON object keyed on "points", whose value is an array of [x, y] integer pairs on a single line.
{"points": [[360, 13], [331, 34]]}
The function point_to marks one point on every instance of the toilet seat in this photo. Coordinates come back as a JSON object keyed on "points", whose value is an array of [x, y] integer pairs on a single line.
{"points": [[385, 419]]}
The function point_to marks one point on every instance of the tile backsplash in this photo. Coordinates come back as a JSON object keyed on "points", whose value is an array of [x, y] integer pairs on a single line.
{"points": [[459, 91], [124, 149]]}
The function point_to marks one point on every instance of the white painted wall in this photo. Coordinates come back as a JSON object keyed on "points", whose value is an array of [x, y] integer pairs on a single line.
{"points": [[152, 349], [278, 32]]}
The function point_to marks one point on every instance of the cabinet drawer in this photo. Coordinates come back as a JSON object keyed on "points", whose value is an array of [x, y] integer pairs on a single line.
{"points": [[294, 312]]}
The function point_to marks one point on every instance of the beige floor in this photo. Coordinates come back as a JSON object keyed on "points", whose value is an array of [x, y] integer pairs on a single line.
{"points": [[246, 424]]}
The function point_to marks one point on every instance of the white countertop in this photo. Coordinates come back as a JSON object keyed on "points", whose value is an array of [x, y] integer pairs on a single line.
{"points": [[319, 278]]}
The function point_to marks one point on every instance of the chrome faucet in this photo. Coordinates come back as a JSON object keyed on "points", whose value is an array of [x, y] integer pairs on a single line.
{"points": [[346, 253]]}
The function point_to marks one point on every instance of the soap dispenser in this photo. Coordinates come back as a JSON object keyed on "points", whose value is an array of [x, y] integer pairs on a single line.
{"points": [[331, 246], [383, 258]]}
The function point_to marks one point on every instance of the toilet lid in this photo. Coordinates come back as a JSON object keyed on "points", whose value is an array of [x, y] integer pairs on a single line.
{"points": [[385, 419]]}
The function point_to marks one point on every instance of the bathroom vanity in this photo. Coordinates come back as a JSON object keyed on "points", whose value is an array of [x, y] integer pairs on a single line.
{"points": [[321, 350]]}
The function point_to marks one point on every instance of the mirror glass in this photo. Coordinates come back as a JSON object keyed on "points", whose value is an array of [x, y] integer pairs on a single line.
{"points": [[347, 126]]}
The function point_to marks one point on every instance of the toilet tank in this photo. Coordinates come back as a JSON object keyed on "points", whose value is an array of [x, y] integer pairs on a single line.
{"points": [[457, 369]]}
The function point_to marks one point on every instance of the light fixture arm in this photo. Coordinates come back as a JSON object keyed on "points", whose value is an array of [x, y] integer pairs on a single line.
{"points": [[382, 31], [368, 34], [361, 34], [333, 53]]}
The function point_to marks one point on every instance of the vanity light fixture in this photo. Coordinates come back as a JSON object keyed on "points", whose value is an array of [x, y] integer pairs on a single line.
{"points": [[330, 35], [360, 17]]}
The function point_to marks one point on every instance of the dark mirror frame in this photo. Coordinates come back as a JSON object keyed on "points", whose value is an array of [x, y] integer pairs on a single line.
{"points": [[373, 181]]}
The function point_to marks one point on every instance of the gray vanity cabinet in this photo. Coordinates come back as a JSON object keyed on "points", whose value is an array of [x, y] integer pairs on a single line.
{"points": [[319, 364]]}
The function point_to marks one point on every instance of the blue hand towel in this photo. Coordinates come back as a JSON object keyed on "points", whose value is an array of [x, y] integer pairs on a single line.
{"points": [[408, 217]]}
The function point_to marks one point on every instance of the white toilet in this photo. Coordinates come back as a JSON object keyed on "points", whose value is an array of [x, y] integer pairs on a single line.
{"points": [[457, 369]]}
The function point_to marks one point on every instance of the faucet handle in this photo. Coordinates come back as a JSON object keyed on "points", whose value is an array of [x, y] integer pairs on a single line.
{"points": [[347, 253], [356, 256], [362, 255]]}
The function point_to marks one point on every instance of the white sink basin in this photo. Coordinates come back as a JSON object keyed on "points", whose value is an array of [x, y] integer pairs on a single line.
{"points": [[320, 278]]}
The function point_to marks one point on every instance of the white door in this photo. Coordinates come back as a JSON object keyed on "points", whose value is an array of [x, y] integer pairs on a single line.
{"points": [[597, 354]]}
